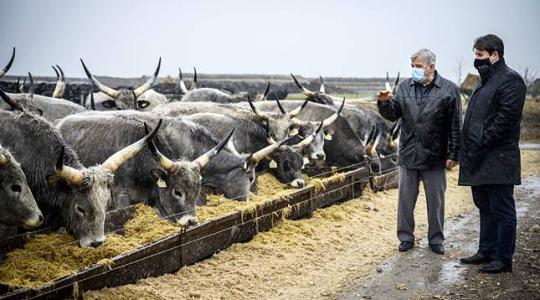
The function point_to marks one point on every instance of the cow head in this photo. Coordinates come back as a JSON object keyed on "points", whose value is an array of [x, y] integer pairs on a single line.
{"points": [[123, 98], [288, 161], [179, 183], [238, 172], [88, 192], [282, 124], [317, 97], [17, 204], [315, 149]]}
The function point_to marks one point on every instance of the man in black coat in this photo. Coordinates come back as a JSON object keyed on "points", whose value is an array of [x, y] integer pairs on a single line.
{"points": [[430, 109], [490, 153]]}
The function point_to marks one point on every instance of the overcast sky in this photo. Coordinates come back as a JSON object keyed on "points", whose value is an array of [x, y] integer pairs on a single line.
{"points": [[307, 37]]}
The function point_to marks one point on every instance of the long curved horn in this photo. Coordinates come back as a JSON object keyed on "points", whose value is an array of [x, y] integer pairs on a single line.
{"points": [[3, 160], [304, 90], [194, 84], [396, 83], [255, 110], [304, 143], [328, 121], [8, 66], [150, 82], [57, 74], [264, 152], [21, 88], [101, 87], [92, 102], [117, 159], [135, 104], [60, 83], [69, 174], [387, 83], [283, 111], [322, 89], [265, 94], [183, 87], [10, 102], [204, 159], [163, 161], [31, 87], [297, 110]]}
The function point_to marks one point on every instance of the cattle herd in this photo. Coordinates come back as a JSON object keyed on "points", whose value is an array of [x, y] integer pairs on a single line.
{"points": [[64, 164]]}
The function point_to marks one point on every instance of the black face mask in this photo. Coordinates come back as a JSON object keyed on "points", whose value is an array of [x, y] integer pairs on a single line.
{"points": [[483, 66]]}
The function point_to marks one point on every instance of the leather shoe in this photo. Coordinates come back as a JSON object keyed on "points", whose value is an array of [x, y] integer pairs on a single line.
{"points": [[405, 246], [476, 259], [437, 248], [496, 266]]}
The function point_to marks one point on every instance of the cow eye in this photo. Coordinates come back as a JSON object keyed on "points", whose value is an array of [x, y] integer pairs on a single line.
{"points": [[16, 188], [143, 104], [178, 193], [80, 210], [108, 104]]}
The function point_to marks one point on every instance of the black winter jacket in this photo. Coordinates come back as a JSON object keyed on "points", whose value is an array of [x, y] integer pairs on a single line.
{"points": [[490, 140], [430, 131]]}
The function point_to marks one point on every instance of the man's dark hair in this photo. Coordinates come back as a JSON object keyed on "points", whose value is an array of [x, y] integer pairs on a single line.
{"points": [[489, 43]]}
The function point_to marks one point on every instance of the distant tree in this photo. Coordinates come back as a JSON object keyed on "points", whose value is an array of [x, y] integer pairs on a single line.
{"points": [[459, 69], [529, 75]]}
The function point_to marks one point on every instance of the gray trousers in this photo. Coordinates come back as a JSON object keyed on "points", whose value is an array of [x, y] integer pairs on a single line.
{"points": [[434, 187]]}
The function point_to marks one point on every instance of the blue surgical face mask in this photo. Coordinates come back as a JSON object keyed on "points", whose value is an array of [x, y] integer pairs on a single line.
{"points": [[418, 74]]}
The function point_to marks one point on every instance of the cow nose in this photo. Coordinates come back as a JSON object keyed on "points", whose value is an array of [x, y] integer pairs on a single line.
{"points": [[321, 156], [41, 219], [96, 244]]}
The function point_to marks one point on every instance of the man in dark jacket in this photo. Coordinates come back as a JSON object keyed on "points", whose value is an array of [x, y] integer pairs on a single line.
{"points": [[430, 109], [490, 153]]}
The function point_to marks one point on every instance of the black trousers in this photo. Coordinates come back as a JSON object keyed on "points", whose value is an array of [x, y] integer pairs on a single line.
{"points": [[497, 220]]}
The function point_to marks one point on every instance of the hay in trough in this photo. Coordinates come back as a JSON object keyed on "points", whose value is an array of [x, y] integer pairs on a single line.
{"points": [[47, 257]]}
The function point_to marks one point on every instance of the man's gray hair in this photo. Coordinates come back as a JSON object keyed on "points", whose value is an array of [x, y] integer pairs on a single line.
{"points": [[425, 53]]}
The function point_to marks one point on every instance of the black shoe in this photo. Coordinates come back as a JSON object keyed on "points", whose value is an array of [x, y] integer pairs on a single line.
{"points": [[405, 246], [476, 259], [437, 248], [496, 266]]}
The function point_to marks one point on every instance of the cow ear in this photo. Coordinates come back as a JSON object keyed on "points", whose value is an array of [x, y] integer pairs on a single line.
{"points": [[109, 104], [143, 103], [158, 173]]}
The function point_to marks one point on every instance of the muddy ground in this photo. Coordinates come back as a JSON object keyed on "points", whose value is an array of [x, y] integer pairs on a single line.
{"points": [[338, 253]]}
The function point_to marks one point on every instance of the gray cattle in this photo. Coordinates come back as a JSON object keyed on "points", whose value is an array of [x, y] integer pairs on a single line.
{"points": [[344, 145], [123, 98], [286, 163], [17, 204], [8, 66], [182, 141], [172, 188], [68, 193], [315, 150], [50, 108], [279, 125]]}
